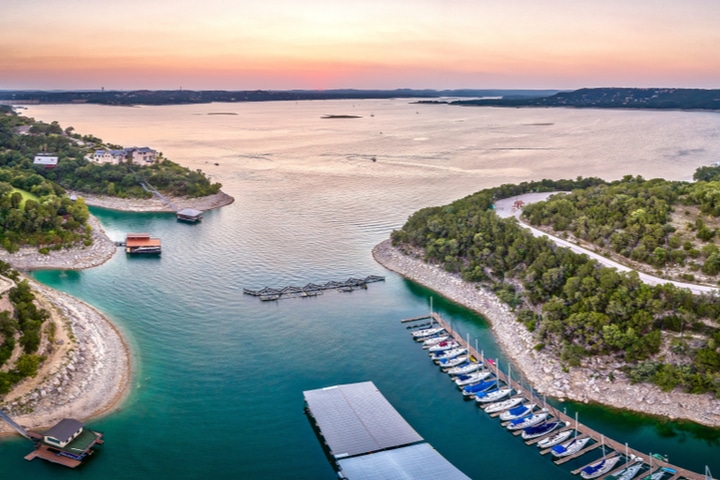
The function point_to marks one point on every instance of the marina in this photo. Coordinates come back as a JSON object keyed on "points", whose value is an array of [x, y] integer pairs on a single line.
{"points": [[366, 438], [536, 427]]}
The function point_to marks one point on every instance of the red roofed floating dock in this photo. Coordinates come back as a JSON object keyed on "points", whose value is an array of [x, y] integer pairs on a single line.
{"points": [[141, 243]]}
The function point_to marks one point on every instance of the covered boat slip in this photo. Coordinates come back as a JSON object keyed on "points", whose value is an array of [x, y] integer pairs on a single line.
{"points": [[369, 439]]}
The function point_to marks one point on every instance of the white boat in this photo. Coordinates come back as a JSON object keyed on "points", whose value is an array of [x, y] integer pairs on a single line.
{"points": [[599, 468], [517, 412], [528, 421], [628, 473], [465, 369], [555, 439], [452, 362], [435, 340], [452, 353], [504, 405], [493, 395], [470, 378], [570, 448], [425, 333], [442, 346]]}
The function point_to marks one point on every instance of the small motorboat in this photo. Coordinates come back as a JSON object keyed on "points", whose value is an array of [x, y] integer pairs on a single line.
{"points": [[527, 421], [504, 405], [517, 412], [493, 395], [540, 430], [555, 439], [570, 448]]}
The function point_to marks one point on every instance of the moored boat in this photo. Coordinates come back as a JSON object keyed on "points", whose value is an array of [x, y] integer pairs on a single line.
{"points": [[442, 346], [599, 468], [471, 390], [426, 333], [555, 439], [452, 362], [571, 447], [493, 395], [517, 412], [504, 405], [465, 368], [626, 474], [435, 340], [540, 430], [447, 354], [471, 378], [527, 421]]}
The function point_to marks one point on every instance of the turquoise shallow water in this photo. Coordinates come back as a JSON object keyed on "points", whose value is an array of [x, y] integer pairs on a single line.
{"points": [[219, 375]]}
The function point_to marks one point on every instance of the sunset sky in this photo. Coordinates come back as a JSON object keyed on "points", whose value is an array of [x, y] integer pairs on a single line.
{"points": [[369, 44]]}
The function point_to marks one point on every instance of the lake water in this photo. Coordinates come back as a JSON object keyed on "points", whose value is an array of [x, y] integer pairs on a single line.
{"points": [[220, 375]]}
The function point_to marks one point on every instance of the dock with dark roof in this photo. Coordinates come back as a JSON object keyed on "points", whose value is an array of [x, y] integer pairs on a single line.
{"points": [[312, 289], [368, 439]]}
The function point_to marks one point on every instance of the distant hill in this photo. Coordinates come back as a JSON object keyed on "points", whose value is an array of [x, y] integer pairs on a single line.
{"points": [[655, 98], [173, 97]]}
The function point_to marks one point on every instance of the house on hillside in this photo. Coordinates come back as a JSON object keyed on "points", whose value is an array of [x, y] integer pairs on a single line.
{"points": [[131, 154], [47, 160]]}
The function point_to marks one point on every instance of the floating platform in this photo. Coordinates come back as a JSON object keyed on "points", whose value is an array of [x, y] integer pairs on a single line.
{"points": [[141, 243], [368, 439], [312, 289], [190, 215]]}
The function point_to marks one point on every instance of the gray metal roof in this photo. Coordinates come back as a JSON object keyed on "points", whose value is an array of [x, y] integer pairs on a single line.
{"points": [[355, 419], [190, 212], [415, 462], [64, 429]]}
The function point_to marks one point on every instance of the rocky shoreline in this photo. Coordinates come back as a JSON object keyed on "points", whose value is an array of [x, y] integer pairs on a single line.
{"points": [[597, 381], [156, 204], [87, 369]]}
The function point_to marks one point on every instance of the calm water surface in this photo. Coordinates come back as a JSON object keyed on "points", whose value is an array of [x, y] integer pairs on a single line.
{"points": [[220, 375]]}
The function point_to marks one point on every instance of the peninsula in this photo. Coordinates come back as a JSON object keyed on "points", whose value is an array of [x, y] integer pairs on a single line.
{"points": [[577, 330]]}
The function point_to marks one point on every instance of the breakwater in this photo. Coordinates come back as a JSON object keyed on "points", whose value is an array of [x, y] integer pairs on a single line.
{"points": [[312, 289]]}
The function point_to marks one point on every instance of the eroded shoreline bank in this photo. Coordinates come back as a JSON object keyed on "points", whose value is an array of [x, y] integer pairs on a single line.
{"points": [[598, 381]]}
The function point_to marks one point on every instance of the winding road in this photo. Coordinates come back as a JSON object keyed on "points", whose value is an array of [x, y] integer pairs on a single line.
{"points": [[504, 208]]}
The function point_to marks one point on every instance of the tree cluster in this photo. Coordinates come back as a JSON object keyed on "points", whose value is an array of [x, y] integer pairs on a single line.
{"points": [[575, 306]]}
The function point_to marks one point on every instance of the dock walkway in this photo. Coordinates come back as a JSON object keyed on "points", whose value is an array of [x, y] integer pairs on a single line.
{"points": [[610, 445], [312, 289]]}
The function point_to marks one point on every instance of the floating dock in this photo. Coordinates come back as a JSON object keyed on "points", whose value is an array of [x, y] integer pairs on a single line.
{"points": [[312, 289], [189, 215], [142, 243], [368, 439], [611, 447]]}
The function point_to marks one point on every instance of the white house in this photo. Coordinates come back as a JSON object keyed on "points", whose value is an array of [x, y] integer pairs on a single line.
{"points": [[63, 433], [47, 160], [134, 154]]}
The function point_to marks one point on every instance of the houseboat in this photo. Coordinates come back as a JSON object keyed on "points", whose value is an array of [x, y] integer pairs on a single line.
{"points": [[68, 443], [190, 215], [137, 243]]}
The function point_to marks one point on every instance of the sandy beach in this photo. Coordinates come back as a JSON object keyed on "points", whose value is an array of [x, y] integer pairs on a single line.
{"points": [[592, 382], [88, 368]]}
